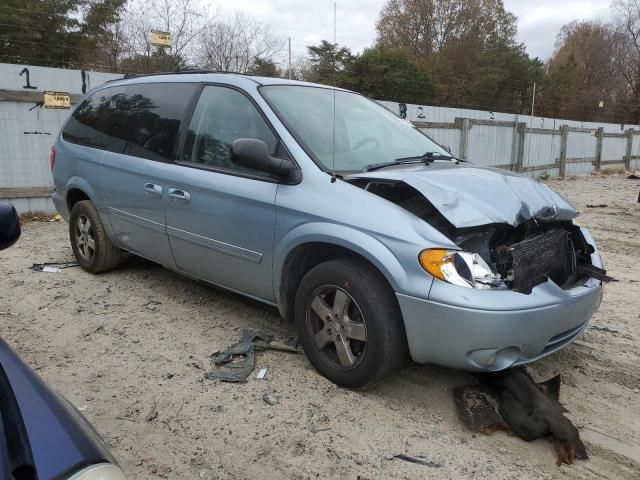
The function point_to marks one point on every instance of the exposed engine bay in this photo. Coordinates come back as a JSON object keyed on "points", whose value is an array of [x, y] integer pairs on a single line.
{"points": [[519, 257]]}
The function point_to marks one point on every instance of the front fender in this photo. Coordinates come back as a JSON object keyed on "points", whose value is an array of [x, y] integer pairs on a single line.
{"points": [[368, 246]]}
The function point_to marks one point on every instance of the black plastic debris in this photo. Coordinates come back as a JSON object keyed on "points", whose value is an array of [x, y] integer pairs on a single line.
{"points": [[512, 400], [417, 460], [478, 407], [238, 361], [595, 272], [39, 267]]}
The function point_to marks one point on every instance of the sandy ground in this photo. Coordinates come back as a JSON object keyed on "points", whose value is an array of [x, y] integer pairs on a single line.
{"points": [[123, 344]]}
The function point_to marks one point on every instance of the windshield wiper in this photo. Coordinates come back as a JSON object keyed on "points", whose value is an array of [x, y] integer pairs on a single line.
{"points": [[427, 158]]}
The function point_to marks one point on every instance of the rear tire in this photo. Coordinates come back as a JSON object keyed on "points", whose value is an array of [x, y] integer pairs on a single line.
{"points": [[92, 248], [349, 323]]}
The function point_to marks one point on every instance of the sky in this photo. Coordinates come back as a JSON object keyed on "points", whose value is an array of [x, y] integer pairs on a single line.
{"points": [[309, 21]]}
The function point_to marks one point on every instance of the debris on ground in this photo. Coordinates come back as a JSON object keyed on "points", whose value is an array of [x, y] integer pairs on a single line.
{"points": [[152, 414], [270, 399], [603, 328], [599, 205], [31, 216], [261, 373], [634, 176], [52, 267], [418, 460], [512, 400], [238, 361]]}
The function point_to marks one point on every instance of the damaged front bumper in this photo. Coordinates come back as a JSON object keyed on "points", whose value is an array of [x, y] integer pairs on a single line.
{"points": [[485, 330]]}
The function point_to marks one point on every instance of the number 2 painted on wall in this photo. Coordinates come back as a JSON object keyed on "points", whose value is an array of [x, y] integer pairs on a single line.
{"points": [[421, 114]]}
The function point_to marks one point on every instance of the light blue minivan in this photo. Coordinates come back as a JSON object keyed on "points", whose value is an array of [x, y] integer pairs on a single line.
{"points": [[356, 225]]}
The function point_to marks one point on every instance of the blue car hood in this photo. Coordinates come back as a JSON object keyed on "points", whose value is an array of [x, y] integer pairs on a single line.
{"points": [[60, 438], [469, 196]]}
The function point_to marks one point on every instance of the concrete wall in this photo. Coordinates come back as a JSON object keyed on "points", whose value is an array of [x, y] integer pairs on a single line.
{"points": [[27, 131]]}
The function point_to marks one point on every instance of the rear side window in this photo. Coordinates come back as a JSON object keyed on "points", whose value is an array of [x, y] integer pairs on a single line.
{"points": [[221, 116], [147, 119], [89, 124]]}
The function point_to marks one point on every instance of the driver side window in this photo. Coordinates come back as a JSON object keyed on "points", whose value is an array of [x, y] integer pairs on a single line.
{"points": [[221, 116]]}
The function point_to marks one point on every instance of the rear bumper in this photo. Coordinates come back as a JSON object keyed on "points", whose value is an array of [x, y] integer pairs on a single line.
{"points": [[59, 200]]}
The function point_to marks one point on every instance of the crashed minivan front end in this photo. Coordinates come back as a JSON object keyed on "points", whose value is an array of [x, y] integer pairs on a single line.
{"points": [[523, 281]]}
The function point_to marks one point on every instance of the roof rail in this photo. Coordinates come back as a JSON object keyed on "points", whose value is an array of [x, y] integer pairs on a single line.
{"points": [[177, 72]]}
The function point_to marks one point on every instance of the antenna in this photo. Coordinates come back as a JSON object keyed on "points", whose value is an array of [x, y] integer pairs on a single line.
{"points": [[333, 148]]}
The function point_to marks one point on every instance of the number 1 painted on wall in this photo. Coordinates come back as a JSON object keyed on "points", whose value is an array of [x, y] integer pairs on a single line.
{"points": [[28, 85]]}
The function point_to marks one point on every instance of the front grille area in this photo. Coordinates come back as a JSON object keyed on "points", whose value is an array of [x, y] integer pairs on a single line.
{"points": [[530, 262]]}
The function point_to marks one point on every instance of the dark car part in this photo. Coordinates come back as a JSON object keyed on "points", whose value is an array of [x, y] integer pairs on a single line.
{"points": [[511, 399], [236, 362], [9, 225], [530, 262]]}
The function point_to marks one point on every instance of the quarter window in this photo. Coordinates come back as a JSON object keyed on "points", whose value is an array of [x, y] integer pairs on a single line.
{"points": [[221, 116], [89, 123], [147, 119]]}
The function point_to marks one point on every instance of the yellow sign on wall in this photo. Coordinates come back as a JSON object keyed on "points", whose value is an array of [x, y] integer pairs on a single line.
{"points": [[160, 39], [56, 100]]}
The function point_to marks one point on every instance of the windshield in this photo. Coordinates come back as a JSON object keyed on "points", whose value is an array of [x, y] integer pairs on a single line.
{"points": [[366, 133]]}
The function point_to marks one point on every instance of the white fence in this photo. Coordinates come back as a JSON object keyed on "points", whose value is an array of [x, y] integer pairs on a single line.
{"points": [[520, 143]]}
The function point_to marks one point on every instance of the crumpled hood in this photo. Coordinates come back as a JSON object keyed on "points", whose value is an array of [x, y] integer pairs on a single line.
{"points": [[469, 196]]}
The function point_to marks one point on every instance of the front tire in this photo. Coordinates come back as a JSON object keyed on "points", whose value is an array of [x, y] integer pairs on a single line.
{"points": [[92, 248], [349, 323]]}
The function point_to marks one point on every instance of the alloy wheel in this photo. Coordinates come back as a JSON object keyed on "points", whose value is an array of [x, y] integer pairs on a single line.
{"points": [[85, 242], [337, 326]]}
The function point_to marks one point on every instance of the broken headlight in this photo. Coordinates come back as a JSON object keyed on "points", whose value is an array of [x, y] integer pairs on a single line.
{"points": [[464, 269]]}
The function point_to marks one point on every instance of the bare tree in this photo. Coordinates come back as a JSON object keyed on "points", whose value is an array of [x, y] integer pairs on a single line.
{"points": [[626, 53], [182, 18], [236, 43]]}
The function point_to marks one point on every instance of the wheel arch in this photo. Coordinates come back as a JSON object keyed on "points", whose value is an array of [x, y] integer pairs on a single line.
{"points": [[78, 189], [300, 251]]}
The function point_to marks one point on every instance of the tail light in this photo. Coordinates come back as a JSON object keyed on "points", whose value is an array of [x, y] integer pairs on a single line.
{"points": [[52, 156]]}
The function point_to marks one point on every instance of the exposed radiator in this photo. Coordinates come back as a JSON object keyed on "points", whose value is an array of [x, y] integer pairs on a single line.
{"points": [[530, 262]]}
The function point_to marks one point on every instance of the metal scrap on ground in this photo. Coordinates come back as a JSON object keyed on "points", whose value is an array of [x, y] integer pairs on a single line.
{"points": [[512, 400], [52, 266], [238, 361], [418, 460]]}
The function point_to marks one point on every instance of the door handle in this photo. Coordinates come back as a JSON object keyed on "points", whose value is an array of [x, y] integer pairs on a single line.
{"points": [[153, 190], [179, 196]]}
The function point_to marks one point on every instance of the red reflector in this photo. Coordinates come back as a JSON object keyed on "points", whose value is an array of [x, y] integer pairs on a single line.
{"points": [[52, 156]]}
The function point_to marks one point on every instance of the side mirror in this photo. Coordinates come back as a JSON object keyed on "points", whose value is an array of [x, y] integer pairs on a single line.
{"points": [[447, 148], [254, 154], [9, 225]]}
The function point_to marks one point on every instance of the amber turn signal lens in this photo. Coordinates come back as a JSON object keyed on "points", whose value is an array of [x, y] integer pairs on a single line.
{"points": [[433, 260]]}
